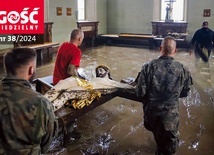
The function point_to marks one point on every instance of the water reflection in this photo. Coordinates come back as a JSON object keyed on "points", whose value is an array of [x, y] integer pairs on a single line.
{"points": [[202, 128], [57, 145], [194, 145], [193, 99], [100, 145]]}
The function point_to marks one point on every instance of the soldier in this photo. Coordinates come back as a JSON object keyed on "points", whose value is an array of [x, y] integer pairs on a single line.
{"points": [[28, 123], [160, 84]]}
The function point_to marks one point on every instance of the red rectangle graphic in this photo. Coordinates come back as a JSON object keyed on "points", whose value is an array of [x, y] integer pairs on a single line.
{"points": [[21, 17]]}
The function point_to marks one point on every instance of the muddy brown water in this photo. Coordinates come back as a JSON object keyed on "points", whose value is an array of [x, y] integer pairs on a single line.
{"points": [[116, 127]]}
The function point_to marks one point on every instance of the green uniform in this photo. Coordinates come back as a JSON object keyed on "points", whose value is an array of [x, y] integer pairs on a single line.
{"points": [[27, 120], [161, 83]]}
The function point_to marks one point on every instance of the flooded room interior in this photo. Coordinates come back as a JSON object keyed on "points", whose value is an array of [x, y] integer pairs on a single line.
{"points": [[124, 35]]}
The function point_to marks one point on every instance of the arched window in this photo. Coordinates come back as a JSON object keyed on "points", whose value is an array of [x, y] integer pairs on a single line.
{"points": [[178, 9]]}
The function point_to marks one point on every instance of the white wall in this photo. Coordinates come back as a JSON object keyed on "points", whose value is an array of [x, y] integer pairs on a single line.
{"points": [[135, 16], [195, 14], [102, 16], [156, 10], [129, 16], [90, 10], [63, 25]]}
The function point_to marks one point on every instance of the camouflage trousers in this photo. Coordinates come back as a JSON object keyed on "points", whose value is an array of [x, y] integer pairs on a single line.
{"points": [[165, 134]]}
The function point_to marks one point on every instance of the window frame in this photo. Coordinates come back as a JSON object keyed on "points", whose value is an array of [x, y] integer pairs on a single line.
{"points": [[82, 10], [163, 10]]}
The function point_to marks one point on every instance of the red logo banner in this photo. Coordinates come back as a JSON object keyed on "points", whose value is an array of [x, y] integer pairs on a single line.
{"points": [[21, 16]]}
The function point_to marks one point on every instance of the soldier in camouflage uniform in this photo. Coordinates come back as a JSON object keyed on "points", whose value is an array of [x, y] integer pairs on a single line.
{"points": [[161, 83], [27, 120]]}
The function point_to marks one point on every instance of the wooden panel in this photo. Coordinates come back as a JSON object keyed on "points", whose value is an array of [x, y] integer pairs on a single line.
{"points": [[90, 29], [48, 32]]}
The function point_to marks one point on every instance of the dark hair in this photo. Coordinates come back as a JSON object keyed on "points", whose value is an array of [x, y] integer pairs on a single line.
{"points": [[205, 23], [75, 33], [16, 58]]}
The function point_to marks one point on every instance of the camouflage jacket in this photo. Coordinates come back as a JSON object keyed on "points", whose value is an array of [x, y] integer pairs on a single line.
{"points": [[161, 83], [27, 120]]}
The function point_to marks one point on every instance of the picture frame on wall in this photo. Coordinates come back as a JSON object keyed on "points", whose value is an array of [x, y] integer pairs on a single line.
{"points": [[59, 11], [207, 13], [69, 11]]}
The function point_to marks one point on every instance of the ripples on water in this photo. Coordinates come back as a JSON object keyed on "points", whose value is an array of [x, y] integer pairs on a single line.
{"points": [[194, 145], [57, 145], [100, 145], [194, 100]]}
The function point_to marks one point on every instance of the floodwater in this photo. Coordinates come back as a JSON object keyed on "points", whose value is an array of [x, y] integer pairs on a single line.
{"points": [[116, 127]]}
